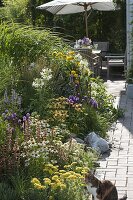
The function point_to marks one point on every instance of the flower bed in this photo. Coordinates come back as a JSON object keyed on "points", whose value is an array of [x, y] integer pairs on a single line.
{"points": [[54, 84]]}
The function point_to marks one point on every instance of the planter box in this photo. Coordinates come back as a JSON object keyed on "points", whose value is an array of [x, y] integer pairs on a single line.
{"points": [[129, 91]]}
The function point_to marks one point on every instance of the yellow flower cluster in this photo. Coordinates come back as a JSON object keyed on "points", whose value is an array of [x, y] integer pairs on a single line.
{"points": [[69, 56], [60, 115], [59, 55], [59, 178], [37, 184], [51, 169], [74, 73], [78, 107], [58, 107]]}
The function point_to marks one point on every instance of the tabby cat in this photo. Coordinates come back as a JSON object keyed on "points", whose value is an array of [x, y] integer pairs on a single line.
{"points": [[101, 190]]}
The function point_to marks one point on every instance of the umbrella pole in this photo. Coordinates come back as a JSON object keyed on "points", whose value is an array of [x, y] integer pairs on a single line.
{"points": [[86, 22]]}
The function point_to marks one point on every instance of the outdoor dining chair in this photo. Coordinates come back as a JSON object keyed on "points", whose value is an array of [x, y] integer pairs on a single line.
{"points": [[103, 46], [115, 60]]}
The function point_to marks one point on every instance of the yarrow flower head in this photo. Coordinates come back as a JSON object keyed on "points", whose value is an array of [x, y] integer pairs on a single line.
{"points": [[46, 75], [38, 83]]}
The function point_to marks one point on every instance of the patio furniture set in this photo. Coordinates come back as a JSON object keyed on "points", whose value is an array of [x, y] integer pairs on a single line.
{"points": [[96, 57]]}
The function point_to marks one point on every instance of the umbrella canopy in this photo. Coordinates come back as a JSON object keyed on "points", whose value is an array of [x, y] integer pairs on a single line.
{"points": [[61, 7]]}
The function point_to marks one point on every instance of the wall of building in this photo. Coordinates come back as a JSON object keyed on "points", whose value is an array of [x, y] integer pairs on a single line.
{"points": [[129, 16]]}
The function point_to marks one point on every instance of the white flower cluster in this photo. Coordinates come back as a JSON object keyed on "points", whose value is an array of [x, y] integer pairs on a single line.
{"points": [[82, 62], [33, 150], [46, 75]]}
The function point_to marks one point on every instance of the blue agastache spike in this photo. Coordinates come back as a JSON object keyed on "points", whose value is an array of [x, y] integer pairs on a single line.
{"points": [[93, 103], [24, 118], [19, 101], [73, 99], [14, 95], [6, 99], [27, 115]]}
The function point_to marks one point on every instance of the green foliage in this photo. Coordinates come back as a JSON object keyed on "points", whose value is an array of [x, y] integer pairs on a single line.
{"points": [[17, 11], [28, 51], [7, 193], [8, 74]]}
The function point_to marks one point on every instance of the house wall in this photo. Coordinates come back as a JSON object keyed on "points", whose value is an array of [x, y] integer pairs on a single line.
{"points": [[129, 16]]}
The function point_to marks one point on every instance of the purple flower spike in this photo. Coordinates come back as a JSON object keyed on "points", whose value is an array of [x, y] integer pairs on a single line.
{"points": [[73, 99], [27, 115], [19, 121], [24, 118], [6, 99], [93, 103], [14, 115], [6, 111]]}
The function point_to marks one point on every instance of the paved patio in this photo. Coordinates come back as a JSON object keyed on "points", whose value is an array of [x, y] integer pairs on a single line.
{"points": [[118, 166]]}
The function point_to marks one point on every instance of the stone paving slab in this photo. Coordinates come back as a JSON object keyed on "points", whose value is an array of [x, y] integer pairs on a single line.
{"points": [[118, 166]]}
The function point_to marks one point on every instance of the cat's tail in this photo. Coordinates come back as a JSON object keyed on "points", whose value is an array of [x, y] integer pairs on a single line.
{"points": [[123, 198]]}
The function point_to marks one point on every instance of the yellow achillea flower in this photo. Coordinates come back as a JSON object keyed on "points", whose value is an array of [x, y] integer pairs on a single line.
{"points": [[47, 181], [67, 166], [50, 168], [55, 177], [54, 186], [62, 171], [86, 169], [35, 180], [83, 172], [39, 186], [73, 163], [79, 169], [56, 173], [79, 176], [72, 177], [65, 175], [62, 186]]}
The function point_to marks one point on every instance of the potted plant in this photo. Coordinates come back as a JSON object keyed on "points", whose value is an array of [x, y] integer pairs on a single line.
{"points": [[129, 80]]}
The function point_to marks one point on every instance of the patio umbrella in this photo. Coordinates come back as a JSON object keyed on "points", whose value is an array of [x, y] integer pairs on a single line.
{"points": [[61, 7]]}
